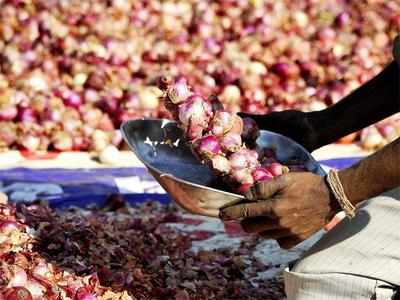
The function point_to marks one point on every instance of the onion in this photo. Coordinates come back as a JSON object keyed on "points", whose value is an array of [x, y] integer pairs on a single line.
{"points": [[208, 146], [17, 293], [195, 109], [388, 131], [221, 164], [231, 142], [179, 92], [3, 198], [222, 123], [371, 138], [41, 270], [117, 138], [83, 294], [105, 123], [276, 169], [6, 227], [26, 114], [243, 176], [231, 94], [342, 19], [195, 114], [36, 289], [8, 114], [261, 174], [73, 99], [19, 277], [62, 141], [251, 131], [285, 70], [244, 159], [30, 142]]}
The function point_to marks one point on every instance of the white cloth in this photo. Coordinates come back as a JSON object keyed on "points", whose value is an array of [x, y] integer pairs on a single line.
{"points": [[355, 258]]}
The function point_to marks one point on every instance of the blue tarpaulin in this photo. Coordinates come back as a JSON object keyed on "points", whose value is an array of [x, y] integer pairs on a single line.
{"points": [[80, 187]]}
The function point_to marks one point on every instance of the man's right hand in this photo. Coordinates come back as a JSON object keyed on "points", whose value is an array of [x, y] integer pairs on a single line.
{"points": [[294, 124]]}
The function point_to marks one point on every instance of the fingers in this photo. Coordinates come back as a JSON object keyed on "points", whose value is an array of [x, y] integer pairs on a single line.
{"points": [[259, 224], [289, 242], [266, 189], [246, 210]]}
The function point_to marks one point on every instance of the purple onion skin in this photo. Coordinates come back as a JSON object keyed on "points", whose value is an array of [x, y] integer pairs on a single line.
{"points": [[251, 132], [262, 174], [208, 146]]}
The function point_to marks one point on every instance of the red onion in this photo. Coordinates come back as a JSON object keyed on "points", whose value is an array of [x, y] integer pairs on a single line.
{"points": [[19, 277], [36, 289], [26, 114], [179, 92], [243, 176], [106, 124], [208, 146], [276, 169], [41, 270], [285, 70], [251, 131], [83, 294], [388, 132], [8, 114], [221, 164], [261, 174], [73, 99], [222, 123], [244, 158], [342, 19], [17, 293], [195, 109], [231, 142], [62, 141], [30, 142], [6, 227]]}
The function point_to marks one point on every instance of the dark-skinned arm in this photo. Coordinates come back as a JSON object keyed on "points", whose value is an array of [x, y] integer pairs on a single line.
{"points": [[373, 175], [377, 99]]}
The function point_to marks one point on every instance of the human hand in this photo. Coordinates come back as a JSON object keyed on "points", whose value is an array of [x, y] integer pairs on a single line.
{"points": [[290, 208], [294, 124]]}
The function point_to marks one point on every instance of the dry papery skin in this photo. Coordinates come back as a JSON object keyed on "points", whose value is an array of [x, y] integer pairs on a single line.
{"points": [[221, 139], [119, 252]]}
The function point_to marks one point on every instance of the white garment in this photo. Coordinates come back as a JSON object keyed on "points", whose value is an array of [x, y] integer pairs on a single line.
{"points": [[355, 258]]}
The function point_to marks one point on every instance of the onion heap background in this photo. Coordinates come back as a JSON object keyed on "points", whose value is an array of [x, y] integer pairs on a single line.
{"points": [[72, 71]]}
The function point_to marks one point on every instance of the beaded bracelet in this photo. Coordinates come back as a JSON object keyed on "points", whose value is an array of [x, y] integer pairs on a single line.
{"points": [[336, 187]]}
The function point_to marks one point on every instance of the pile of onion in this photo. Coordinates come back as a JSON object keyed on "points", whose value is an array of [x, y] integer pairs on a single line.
{"points": [[221, 139]]}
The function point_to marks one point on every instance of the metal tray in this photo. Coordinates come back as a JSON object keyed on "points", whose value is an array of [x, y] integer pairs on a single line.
{"points": [[160, 145]]}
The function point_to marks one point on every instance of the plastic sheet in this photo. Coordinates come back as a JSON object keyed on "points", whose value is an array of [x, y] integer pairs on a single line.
{"points": [[81, 187]]}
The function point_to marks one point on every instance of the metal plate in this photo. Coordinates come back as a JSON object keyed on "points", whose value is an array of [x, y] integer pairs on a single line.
{"points": [[160, 145]]}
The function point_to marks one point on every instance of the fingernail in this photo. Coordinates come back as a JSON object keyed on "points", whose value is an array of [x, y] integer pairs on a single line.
{"points": [[224, 216]]}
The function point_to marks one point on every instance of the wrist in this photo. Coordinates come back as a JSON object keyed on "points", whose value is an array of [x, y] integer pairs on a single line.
{"points": [[333, 202], [335, 185]]}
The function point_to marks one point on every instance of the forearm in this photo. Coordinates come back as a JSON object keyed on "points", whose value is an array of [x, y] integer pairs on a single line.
{"points": [[373, 175], [377, 99]]}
